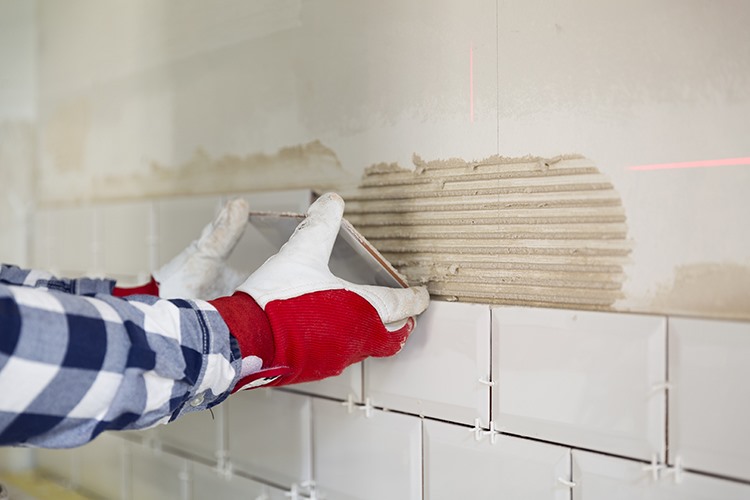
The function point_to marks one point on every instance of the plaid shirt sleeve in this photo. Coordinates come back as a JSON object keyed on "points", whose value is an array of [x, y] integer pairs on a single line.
{"points": [[76, 361]]}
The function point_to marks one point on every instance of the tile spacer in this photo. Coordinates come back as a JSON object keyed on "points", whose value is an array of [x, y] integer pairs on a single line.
{"points": [[565, 482], [488, 383], [477, 430], [222, 461], [492, 432], [154, 445], [367, 408], [677, 470], [661, 386], [349, 404], [314, 495], [309, 485], [654, 467], [225, 469], [293, 492]]}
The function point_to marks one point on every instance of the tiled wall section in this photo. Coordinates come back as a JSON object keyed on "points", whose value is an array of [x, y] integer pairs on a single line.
{"points": [[483, 402]]}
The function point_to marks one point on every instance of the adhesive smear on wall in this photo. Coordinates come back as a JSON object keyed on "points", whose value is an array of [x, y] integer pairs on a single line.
{"points": [[525, 231]]}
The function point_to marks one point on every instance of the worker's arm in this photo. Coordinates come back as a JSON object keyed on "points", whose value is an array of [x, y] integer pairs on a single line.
{"points": [[76, 360], [72, 366], [13, 275]]}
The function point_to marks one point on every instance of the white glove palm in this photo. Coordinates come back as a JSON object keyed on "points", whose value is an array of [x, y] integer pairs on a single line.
{"points": [[200, 271]]}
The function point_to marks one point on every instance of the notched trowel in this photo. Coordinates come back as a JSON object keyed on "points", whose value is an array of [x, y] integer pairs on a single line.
{"points": [[353, 257]]}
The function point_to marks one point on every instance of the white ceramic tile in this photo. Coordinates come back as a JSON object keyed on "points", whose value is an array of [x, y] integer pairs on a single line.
{"points": [[602, 477], [459, 466], [207, 483], [101, 466], [253, 249], [438, 372], [15, 459], [181, 220], [197, 433], [269, 435], [156, 475], [125, 238], [709, 402], [585, 379], [356, 457], [341, 387], [72, 238], [60, 464]]}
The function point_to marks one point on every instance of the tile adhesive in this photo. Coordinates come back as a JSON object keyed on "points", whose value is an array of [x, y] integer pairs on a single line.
{"points": [[521, 231]]}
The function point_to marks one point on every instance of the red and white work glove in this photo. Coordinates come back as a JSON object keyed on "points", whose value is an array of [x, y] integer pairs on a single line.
{"points": [[296, 322], [200, 271]]}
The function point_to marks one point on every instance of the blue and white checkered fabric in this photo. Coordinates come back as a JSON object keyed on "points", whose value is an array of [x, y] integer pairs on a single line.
{"points": [[76, 361]]}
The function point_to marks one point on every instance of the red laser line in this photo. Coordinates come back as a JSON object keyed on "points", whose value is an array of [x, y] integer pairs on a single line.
{"points": [[726, 162]]}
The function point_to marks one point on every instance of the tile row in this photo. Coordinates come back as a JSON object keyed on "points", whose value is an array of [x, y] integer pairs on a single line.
{"points": [[607, 382], [645, 387], [114, 468], [128, 240], [376, 454]]}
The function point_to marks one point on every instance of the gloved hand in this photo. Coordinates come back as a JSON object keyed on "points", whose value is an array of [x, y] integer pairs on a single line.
{"points": [[200, 271], [296, 322]]}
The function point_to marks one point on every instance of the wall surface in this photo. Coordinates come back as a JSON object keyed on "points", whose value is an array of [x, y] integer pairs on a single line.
{"points": [[571, 153], [17, 120], [152, 98], [482, 402], [17, 115]]}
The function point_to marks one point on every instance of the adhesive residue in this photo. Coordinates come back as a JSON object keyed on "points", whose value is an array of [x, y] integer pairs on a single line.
{"points": [[310, 165], [525, 231], [707, 289]]}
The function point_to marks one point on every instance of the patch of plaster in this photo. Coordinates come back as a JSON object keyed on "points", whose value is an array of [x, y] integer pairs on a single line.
{"points": [[706, 289], [529, 231]]}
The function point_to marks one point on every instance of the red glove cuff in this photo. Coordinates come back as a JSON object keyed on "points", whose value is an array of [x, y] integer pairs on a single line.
{"points": [[309, 337], [150, 288], [248, 324]]}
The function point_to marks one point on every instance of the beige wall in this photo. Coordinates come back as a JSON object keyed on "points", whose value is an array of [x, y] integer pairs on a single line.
{"points": [[159, 98], [17, 114], [138, 95]]}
